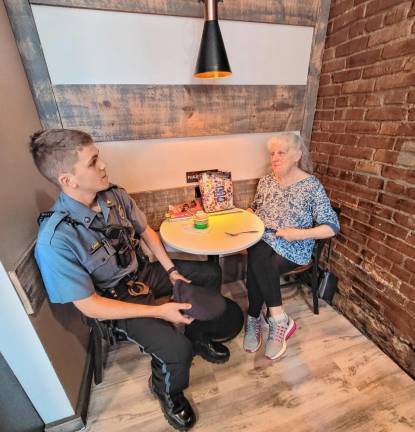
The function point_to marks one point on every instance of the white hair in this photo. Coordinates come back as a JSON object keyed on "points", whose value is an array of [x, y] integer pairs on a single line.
{"points": [[295, 142]]}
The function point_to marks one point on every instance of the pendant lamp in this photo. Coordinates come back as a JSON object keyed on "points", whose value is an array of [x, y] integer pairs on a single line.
{"points": [[212, 61]]}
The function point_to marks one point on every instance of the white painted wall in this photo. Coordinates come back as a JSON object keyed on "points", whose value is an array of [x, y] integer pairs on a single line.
{"points": [[162, 164], [102, 47], [24, 352]]}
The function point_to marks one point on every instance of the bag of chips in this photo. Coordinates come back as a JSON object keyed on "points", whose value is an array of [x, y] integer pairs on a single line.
{"points": [[216, 190]]}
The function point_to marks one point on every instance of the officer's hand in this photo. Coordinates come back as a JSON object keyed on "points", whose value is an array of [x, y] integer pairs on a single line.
{"points": [[172, 312], [174, 276]]}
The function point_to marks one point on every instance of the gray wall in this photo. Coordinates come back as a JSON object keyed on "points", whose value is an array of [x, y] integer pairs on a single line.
{"points": [[23, 194], [23, 191]]}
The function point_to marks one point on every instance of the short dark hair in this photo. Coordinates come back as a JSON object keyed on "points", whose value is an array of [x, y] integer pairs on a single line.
{"points": [[54, 151]]}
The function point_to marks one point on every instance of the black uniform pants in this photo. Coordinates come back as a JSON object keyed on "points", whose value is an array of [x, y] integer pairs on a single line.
{"points": [[265, 267], [172, 351]]}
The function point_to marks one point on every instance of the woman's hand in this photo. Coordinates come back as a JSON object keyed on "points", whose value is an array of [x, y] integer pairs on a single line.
{"points": [[290, 234], [172, 312], [174, 276]]}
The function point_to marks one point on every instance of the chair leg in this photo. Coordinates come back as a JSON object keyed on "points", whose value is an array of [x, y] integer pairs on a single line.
{"points": [[314, 289]]}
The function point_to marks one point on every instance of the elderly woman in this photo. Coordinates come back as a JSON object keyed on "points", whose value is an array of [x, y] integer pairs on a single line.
{"points": [[295, 210]]}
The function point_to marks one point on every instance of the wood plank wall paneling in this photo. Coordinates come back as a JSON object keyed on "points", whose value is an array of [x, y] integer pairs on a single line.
{"points": [[28, 43], [316, 57], [128, 112], [291, 12], [154, 204]]}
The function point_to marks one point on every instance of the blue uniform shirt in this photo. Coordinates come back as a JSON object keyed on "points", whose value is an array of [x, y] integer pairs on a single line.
{"points": [[73, 260], [301, 205]]}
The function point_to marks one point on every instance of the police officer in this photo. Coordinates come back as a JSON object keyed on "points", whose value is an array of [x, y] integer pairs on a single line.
{"points": [[85, 252]]}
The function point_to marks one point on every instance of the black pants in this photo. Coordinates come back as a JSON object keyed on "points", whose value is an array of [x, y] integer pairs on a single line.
{"points": [[263, 281], [172, 351]]}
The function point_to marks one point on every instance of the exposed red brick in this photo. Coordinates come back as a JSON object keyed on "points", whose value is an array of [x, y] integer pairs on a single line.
{"points": [[324, 115], [376, 209], [320, 157], [376, 142], [340, 8], [343, 197], [384, 251], [383, 262], [356, 152], [330, 90], [344, 139], [399, 49], [369, 167], [397, 14], [374, 23], [361, 86], [384, 68], [354, 114], [364, 100], [363, 127], [351, 47], [375, 183], [404, 220], [406, 129], [395, 188], [325, 79], [334, 126], [348, 75], [320, 136], [356, 214], [357, 29], [328, 54], [388, 34], [337, 38], [401, 246], [400, 204], [379, 5], [390, 128], [348, 17], [343, 163], [365, 58], [386, 113], [367, 164], [394, 96], [387, 227], [342, 101], [400, 273], [410, 265], [402, 79], [329, 102], [385, 156]]}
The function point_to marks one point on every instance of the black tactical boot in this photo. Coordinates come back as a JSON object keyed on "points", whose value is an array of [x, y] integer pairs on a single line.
{"points": [[176, 408], [213, 352]]}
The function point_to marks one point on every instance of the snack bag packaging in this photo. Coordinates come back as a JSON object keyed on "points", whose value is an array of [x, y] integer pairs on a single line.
{"points": [[216, 190]]}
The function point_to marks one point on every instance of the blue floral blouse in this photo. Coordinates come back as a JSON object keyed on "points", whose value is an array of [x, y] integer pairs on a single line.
{"points": [[301, 205]]}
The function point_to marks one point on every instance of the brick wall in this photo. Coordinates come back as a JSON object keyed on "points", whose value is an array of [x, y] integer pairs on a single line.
{"points": [[363, 146]]}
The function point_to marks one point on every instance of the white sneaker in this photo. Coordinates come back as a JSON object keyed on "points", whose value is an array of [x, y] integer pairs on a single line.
{"points": [[279, 332], [252, 337]]}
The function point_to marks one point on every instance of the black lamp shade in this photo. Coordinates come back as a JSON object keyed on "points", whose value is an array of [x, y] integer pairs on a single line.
{"points": [[212, 61]]}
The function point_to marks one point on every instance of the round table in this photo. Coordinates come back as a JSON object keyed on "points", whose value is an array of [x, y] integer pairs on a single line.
{"points": [[181, 234]]}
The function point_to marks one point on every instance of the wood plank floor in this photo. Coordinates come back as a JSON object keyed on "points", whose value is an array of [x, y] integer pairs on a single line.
{"points": [[331, 379]]}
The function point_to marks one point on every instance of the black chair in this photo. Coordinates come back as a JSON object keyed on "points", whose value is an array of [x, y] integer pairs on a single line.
{"points": [[310, 274]]}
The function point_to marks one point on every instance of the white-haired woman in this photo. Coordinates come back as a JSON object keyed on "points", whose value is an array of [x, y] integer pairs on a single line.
{"points": [[295, 209]]}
